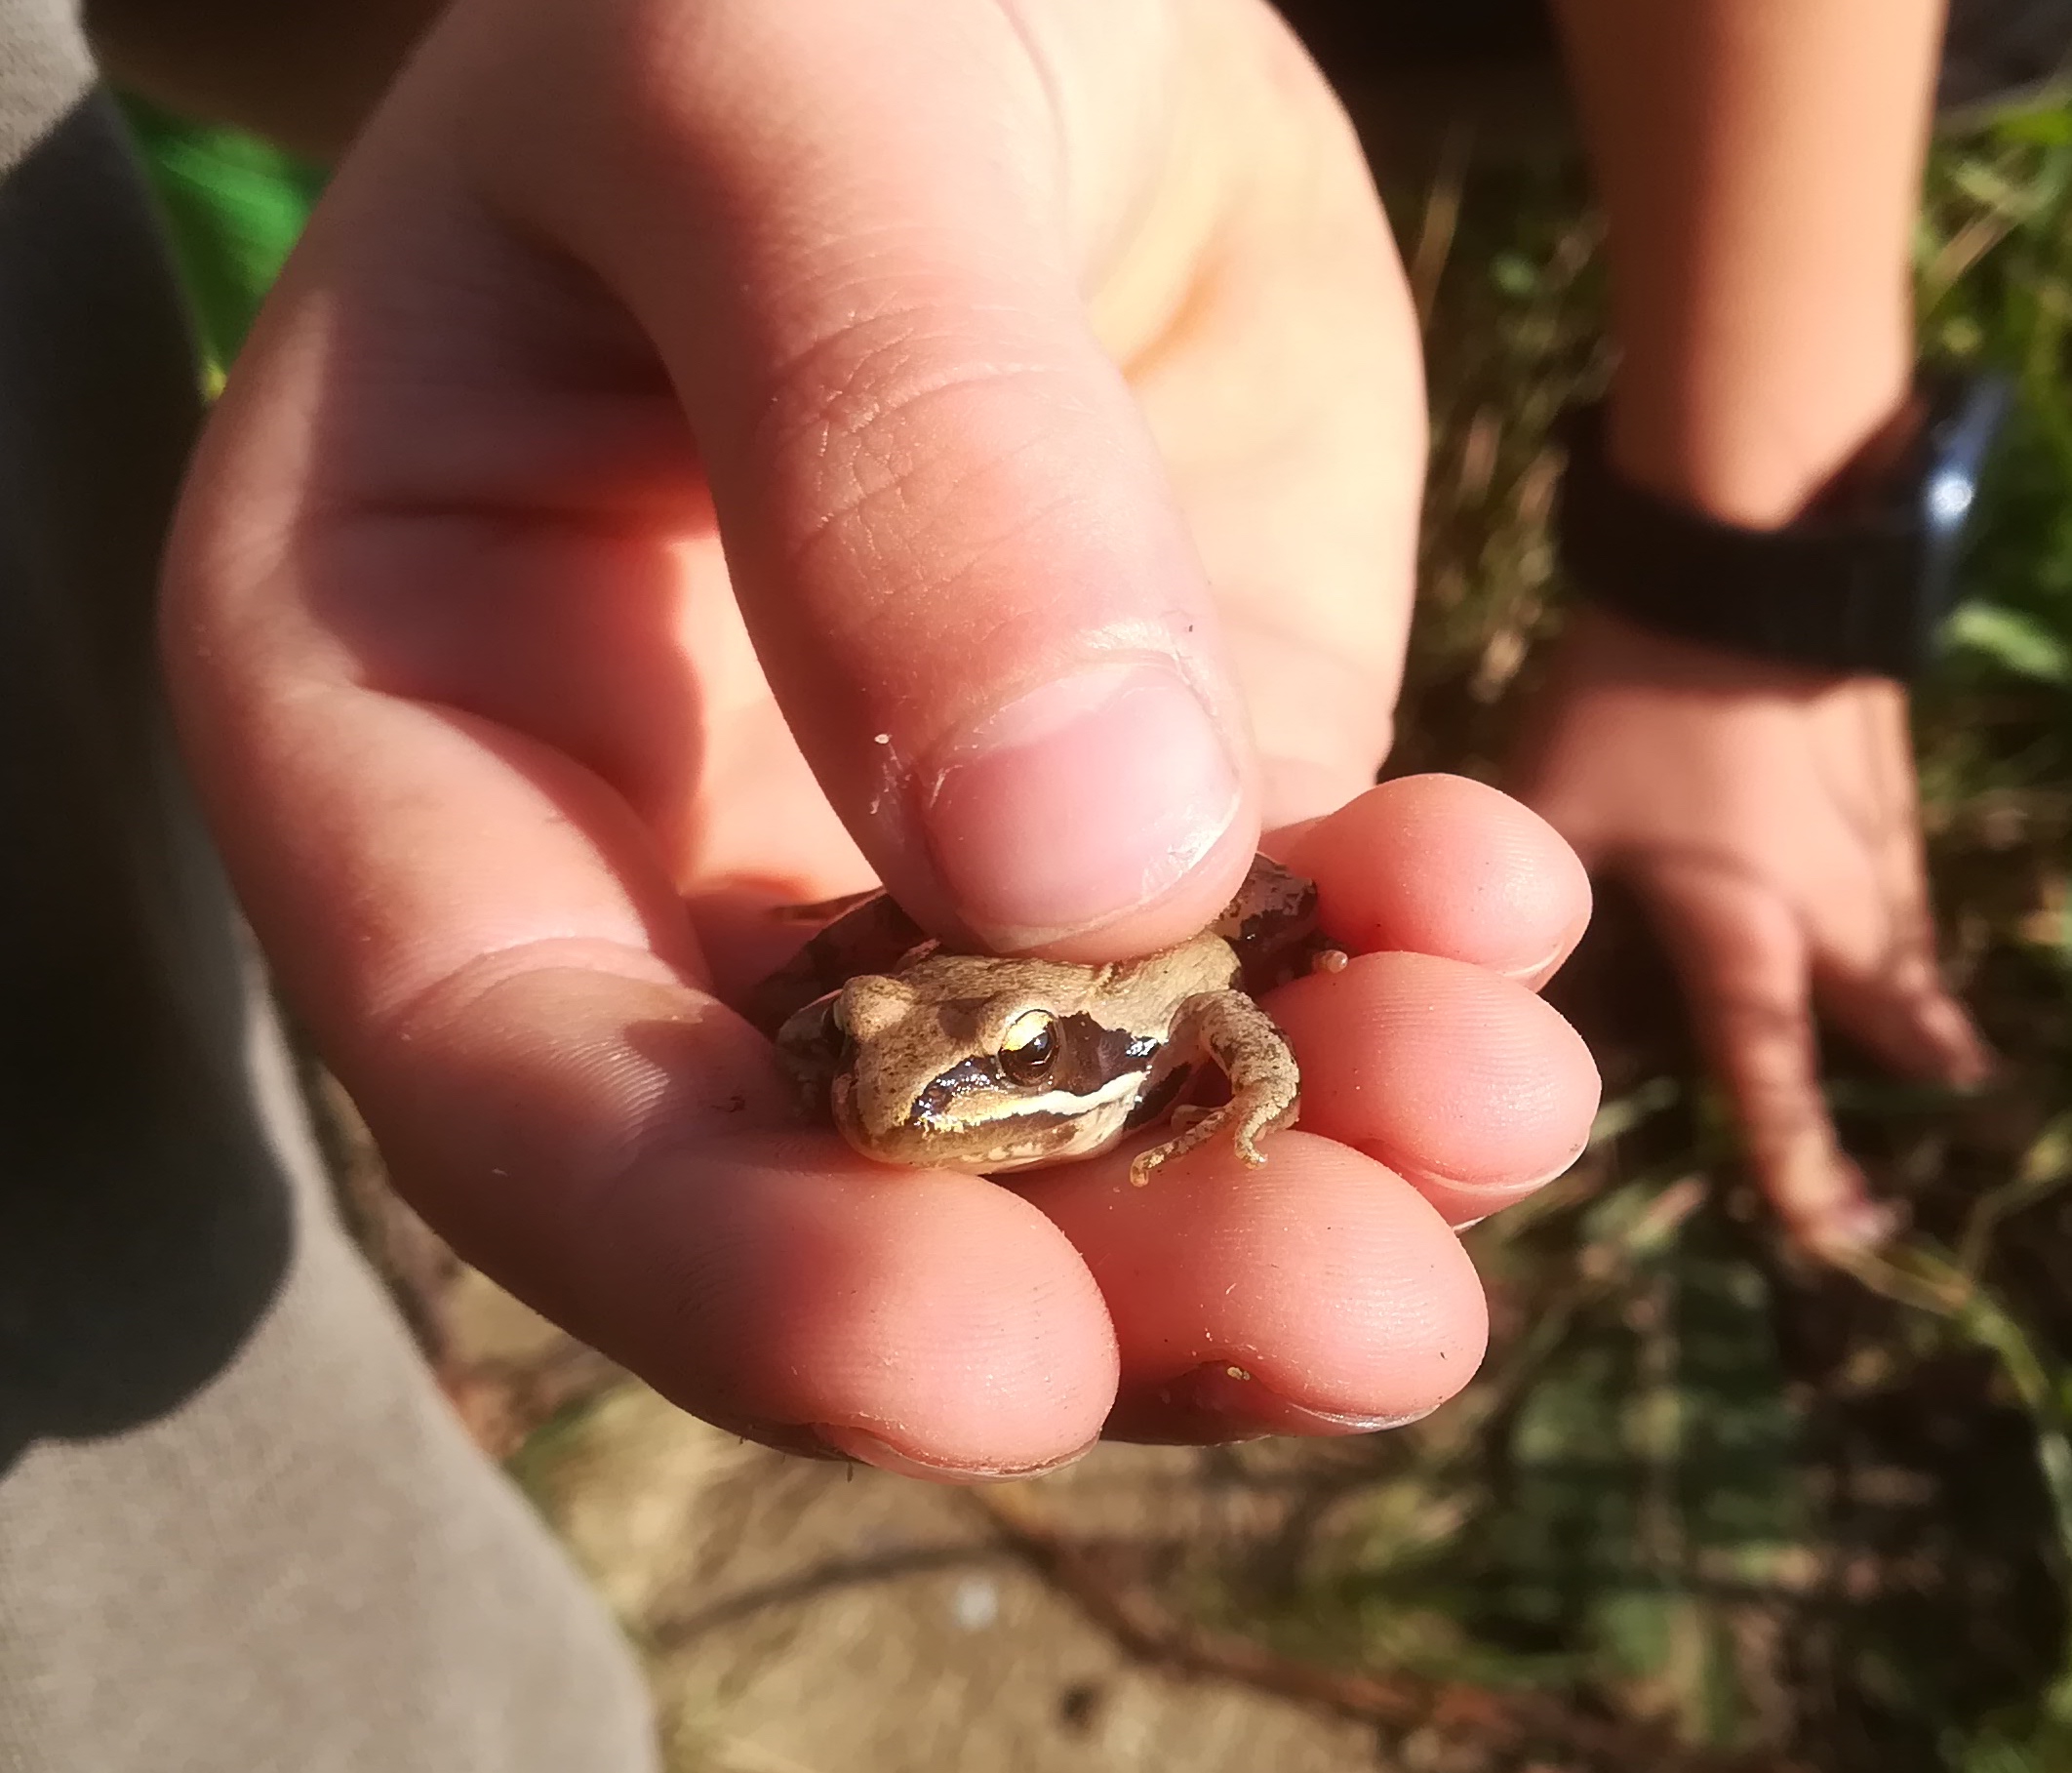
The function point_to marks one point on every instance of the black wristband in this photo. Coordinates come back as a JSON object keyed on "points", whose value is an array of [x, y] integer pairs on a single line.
{"points": [[1860, 588]]}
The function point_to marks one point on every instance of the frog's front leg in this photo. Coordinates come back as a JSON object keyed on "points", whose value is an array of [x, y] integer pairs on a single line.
{"points": [[1231, 1030]]}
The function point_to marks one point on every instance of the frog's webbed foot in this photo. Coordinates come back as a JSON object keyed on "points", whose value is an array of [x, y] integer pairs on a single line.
{"points": [[1229, 1028]]}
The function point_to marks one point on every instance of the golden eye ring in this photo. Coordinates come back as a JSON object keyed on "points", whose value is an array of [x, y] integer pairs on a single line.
{"points": [[1029, 1047]]}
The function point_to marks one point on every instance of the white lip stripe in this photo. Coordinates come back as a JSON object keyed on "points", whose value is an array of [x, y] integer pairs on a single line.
{"points": [[1093, 1132], [1061, 1102]]}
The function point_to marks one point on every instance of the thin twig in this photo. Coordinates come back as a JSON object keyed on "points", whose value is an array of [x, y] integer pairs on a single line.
{"points": [[1509, 1722]]}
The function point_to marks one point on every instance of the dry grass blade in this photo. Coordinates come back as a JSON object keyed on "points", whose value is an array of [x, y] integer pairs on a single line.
{"points": [[1442, 218], [2046, 1170]]}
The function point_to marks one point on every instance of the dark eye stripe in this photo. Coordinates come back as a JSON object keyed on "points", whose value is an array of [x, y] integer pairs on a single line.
{"points": [[1089, 1056]]}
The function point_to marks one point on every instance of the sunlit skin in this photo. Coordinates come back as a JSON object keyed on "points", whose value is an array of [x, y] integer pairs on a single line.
{"points": [[625, 323], [652, 369], [1760, 167]]}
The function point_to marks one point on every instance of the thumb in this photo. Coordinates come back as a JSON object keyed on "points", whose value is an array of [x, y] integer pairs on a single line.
{"points": [[848, 232]]}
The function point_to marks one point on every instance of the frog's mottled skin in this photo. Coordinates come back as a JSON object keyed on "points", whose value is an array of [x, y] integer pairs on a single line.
{"points": [[918, 1062]]}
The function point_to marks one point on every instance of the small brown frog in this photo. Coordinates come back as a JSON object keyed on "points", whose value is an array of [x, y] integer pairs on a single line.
{"points": [[923, 1055]]}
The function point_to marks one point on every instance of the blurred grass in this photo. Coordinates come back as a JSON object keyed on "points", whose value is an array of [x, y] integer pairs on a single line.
{"points": [[1817, 1519], [1794, 1514], [234, 207]]}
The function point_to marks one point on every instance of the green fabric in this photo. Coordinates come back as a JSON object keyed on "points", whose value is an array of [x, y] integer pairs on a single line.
{"points": [[234, 205]]}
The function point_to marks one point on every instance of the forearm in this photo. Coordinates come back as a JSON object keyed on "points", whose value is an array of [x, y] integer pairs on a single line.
{"points": [[304, 75], [1760, 163]]}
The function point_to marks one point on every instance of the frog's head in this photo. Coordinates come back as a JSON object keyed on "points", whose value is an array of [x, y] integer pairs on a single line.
{"points": [[964, 1063]]}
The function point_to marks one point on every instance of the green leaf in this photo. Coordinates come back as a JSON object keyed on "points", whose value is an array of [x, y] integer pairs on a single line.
{"points": [[234, 207], [1515, 275], [2015, 642], [2048, 127]]}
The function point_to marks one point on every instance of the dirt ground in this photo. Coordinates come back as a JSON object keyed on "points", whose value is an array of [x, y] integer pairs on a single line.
{"points": [[804, 1618]]}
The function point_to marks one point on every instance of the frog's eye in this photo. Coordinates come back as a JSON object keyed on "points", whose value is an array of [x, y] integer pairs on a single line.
{"points": [[1029, 1046]]}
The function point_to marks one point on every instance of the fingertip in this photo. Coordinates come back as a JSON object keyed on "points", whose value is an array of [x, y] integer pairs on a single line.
{"points": [[1093, 816], [1338, 1295], [1443, 865], [1825, 1202], [1942, 1046], [919, 1321], [1849, 1232], [1951, 1049], [1474, 1088]]}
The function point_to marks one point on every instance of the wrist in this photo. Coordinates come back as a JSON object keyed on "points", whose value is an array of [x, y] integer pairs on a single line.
{"points": [[1615, 650], [1858, 581], [1748, 445]]}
